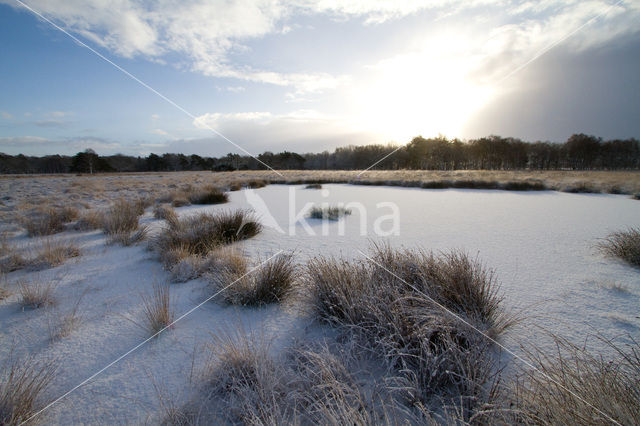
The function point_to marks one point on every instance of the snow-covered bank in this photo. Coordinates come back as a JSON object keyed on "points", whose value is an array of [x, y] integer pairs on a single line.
{"points": [[542, 246]]}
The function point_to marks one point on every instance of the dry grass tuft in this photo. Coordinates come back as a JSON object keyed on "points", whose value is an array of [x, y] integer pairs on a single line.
{"points": [[122, 217], [90, 220], [202, 233], [36, 294], [389, 304], [4, 291], [12, 262], [208, 195], [49, 221], [180, 201], [235, 186], [581, 188], [244, 384], [129, 238], [158, 309], [328, 212], [53, 253], [165, 212], [256, 183], [624, 245], [271, 283], [63, 325], [577, 387], [215, 264], [22, 384]]}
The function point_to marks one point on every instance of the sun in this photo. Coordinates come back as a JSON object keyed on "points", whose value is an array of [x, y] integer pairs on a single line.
{"points": [[425, 93]]}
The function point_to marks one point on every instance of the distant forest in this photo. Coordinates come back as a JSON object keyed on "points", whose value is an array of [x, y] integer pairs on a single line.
{"points": [[579, 152]]}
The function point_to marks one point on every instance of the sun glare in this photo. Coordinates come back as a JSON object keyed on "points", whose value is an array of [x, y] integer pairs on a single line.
{"points": [[427, 93]]}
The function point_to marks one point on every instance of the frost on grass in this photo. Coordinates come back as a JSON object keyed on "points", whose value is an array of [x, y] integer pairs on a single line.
{"points": [[22, 385], [270, 283], [624, 245], [245, 384], [62, 324], [191, 245], [52, 253], [188, 194], [574, 386], [4, 290], [328, 212], [48, 254], [36, 294], [89, 221], [157, 310], [49, 221], [121, 222], [394, 305]]}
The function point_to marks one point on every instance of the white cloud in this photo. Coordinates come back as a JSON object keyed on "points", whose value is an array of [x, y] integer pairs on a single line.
{"points": [[6, 115], [22, 140], [301, 131], [35, 145], [159, 132], [59, 114], [207, 32]]}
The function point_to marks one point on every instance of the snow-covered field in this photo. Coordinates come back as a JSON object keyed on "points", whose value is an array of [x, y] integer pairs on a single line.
{"points": [[540, 244]]}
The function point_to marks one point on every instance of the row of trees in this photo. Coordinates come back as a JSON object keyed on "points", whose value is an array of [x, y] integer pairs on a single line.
{"points": [[579, 152]]}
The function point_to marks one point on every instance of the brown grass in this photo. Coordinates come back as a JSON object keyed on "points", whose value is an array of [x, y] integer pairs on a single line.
{"points": [[13, 262], [574, 386], [202, 233], [624, 245], [271, 283], [22, 385], [52, 253], [313, 384], [128, 238], [165, 212], [49, 221], [122, 217], [36, 294], [90, 220], [64, 324], [208, 195], [158, 310], [4, 290], [328, 212], [389, 305]]}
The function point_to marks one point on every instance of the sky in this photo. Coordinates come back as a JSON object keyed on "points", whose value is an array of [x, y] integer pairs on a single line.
{"points": [[248, 76]]}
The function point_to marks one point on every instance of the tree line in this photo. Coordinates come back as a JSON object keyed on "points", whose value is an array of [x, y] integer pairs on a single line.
{"points": [[579, 152]]}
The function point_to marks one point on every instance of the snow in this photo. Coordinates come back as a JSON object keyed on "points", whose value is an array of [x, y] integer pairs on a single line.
{"points": [[541, 245]]}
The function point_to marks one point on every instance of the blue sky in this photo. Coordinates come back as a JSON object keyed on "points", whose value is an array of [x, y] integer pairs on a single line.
{"points": [[312, 75]]}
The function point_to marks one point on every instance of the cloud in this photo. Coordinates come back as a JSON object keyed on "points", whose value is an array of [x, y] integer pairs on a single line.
{"points": [[208, 33], [35, 145], [300, 131], [50, 123], [59, 114], [6, 115], [159, 132]]}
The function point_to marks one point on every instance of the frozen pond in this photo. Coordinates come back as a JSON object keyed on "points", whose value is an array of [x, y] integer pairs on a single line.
{"points": [[541, 244]]}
